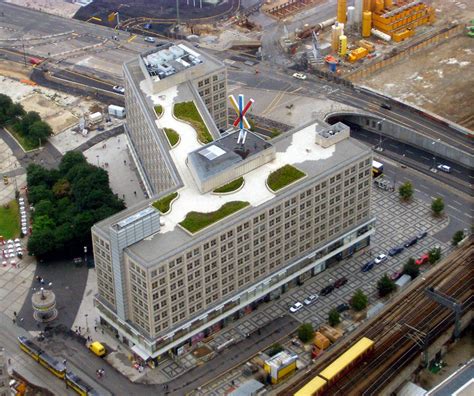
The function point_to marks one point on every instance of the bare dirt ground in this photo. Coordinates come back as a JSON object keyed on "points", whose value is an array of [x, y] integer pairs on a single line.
{"points": [[57, 117], [438, 79], [57, 7], [14, 70]]}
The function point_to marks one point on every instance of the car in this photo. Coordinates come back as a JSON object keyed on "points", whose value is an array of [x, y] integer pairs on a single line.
{"points": [[340, 282], [368, 266], [310, 299], [411, 242], [342, 307], [386, 106], [395, 250], [299, 76], [380, 258], [149, 39], [397, 274], [423, 259], [422, 234], [296, 307], [326, 290], [444, 168], [118, 89]]}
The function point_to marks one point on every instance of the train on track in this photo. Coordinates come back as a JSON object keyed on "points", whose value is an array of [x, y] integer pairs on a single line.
{"points": [[57, 368], [320, 384]]}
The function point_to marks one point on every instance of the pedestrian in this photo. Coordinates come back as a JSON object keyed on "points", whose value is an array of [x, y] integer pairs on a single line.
{"points": [[125, 162], [95, 328], [64, 361], [42, 281], [14, 320], [135, 193], [14, 314]]}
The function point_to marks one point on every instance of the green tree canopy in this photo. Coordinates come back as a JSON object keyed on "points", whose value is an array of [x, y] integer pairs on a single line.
{"points": [[359, 300], [27, 121], [437, 206], [306, 332], [410, 268], [9, 112], [406, 191], [39, 131], [334, 317], [385, 286], [434, 254], [274, 349], [457, 237]]}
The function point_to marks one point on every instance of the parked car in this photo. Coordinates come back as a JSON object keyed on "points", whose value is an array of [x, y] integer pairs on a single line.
{"points": [[149, 39], [411, 242], [340, 282], [423, 259], [326, 290], [368, 266], [386, 106], [118, 89], [299, 76], [310, 299], [395, 250], [444, 168], [422, 234], [380, 258], [296, 307], [342, 307], [397, 274]]}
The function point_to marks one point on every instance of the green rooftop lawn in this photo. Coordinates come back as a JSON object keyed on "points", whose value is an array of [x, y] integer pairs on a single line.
{"points": [[9, 220], [163, 204], [283, 177], [172, 135], [188, 112], [232, 186], [195, 221], [159, 110]]}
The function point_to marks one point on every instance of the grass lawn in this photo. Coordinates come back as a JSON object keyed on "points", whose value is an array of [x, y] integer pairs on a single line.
{"points": [[25, 143], [159, 110], [163, 204], [282, 177], [172, 136], [232, 186], [195, 221], [9, 221], [187, 111]]}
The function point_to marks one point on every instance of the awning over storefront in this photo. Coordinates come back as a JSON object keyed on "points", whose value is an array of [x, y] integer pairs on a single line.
{"points": [[140, 352]]}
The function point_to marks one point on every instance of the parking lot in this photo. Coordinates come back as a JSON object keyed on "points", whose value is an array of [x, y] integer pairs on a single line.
{"points": [[396, 223]]}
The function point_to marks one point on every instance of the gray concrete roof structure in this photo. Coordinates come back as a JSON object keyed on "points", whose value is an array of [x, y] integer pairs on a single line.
{"points": [[461, 383]]}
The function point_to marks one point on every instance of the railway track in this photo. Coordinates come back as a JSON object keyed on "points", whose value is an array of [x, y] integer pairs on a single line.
{"points": [[401, 331]]}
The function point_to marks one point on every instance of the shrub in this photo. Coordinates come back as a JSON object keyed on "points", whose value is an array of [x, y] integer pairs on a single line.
{"points": [[187, 111], [195, 221], [410, 268], [434, 255], [406, 191], [159, 110], [457, 237], [232, 186], [163, 204], [437, 206], [274, 349], [172, 135], [306, 332], [359, 300], [283, 177]]}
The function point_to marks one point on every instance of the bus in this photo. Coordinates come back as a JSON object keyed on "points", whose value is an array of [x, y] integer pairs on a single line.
{"points": [[377, 168]]}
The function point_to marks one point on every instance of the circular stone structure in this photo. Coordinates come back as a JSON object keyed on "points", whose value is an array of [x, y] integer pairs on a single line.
{"points": [[44, 306]]}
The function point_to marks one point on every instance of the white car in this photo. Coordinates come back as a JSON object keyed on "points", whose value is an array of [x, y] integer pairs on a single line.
{"points": [[149, 39], [118, 89], [310, 299], [299, 76], [444, 168], [296, 307], [380, 258]]}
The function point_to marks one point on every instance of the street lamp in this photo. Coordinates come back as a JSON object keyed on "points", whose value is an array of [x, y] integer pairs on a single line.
{"points": [[87, 323], [97, 156], [85, 255], [379, 148], [434, 155]]}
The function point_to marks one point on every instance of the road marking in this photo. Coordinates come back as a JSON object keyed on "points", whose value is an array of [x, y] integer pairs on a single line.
{"points": [[426, 158], [422, 185], [132, 38], [409, 151], [458, 203], [454, 208]]}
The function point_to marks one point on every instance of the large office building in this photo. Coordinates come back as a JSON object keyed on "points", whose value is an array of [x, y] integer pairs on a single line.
{"points": [[291, 207]]}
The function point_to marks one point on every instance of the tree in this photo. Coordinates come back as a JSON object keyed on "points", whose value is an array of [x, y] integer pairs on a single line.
{"points": [[274, 349], [437, 206], [9, 111], [70, 159], [37, 175], [38, 193], [410, 268], [359, 300], [39, 131], [457, 237], [27, 121], [334, 318], [41, 242], [385, 286], [306, 332], [434, 255], [406, 191]]}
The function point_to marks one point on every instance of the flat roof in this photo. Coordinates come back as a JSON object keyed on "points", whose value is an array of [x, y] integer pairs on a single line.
{"points": [[225, 152], [460, 383]]}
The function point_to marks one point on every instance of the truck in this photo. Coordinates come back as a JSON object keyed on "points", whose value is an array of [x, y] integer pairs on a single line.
{"points": [[117, 111], [95, 118]]}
